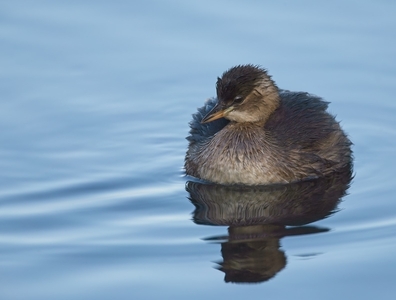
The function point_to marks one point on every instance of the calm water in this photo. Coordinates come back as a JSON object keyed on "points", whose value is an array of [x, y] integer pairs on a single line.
{"points": [[95, 103]]}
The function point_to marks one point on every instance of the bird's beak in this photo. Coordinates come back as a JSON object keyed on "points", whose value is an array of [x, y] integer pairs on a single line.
{"points": [[216, 112]]}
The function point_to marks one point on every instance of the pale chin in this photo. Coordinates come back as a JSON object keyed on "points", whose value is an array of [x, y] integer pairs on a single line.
{"points": [[241, 116]]}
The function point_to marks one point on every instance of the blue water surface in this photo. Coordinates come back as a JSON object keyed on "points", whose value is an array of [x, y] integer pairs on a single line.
{"points": [[95, 102]]}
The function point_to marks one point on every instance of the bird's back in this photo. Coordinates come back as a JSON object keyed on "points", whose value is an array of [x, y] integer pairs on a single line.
{"points": [[302, 125], [301, 120]]}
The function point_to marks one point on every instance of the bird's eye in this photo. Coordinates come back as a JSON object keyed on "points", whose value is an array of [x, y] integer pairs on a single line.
{"points": [[238, 100]]}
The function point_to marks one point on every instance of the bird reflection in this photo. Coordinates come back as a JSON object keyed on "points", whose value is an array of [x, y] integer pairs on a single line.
{"points": [[259, 216]]}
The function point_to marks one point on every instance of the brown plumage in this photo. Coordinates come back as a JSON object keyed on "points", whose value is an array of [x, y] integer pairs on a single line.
{"points": [[254, 133]]}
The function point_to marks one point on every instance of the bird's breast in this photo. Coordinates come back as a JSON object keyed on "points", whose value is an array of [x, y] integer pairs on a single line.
{"points": [[239, 153]]}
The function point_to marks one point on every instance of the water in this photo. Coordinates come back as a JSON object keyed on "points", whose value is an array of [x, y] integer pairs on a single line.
{"points": [[95, 102]]}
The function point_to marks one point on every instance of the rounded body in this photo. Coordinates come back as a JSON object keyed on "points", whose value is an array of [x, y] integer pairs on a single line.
{"points": [[299, 140]]}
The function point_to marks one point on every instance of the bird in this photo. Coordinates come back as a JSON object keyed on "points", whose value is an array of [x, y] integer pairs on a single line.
{"points": [[254, 133]]}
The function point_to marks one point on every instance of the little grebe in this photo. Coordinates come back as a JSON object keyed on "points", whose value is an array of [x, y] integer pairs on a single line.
{"points": [[254, 133]]}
